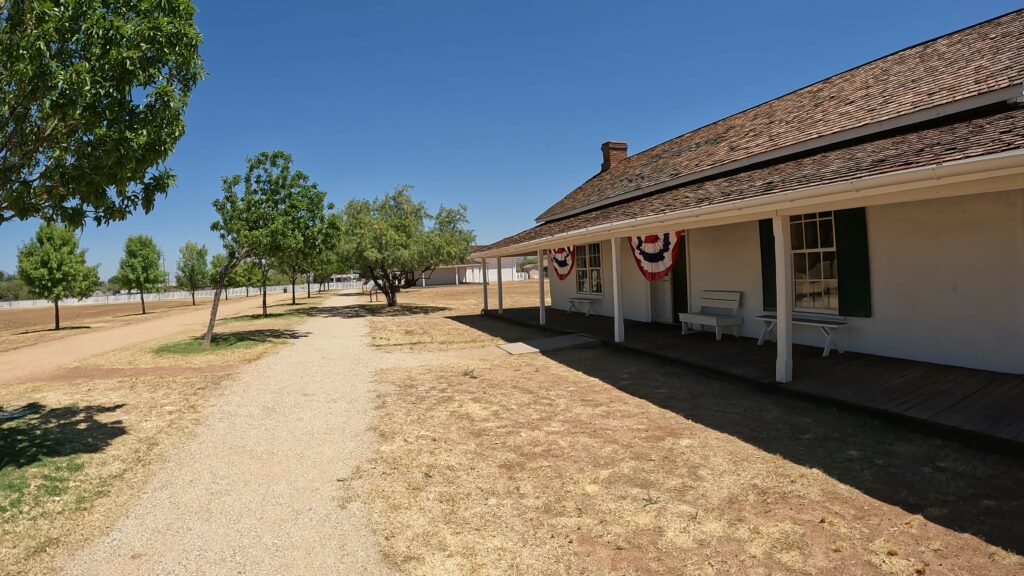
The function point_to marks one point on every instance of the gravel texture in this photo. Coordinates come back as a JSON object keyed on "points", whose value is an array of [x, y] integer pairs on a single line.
{"points": [[256, 490]]}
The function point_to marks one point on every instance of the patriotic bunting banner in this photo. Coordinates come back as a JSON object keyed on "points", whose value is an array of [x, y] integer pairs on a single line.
{"points": [[655, 253], [563, 260]]}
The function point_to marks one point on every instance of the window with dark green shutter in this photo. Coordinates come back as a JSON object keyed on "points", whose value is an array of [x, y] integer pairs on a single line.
{"points": [[830, 263]]}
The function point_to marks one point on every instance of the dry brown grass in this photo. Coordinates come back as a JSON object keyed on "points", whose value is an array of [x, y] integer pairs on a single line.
{"points": [[606, 462], [421, 324], [24, 327], [70, 470]]}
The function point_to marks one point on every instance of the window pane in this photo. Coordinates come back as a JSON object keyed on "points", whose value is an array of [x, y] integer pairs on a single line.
{"points": [[595, 261], [831, 289], [595, 281], [797, 232], [581, 280], [828, 237], [810, 234], [796, 218], [595, 248], [800, 266], [817, 294], [581, 254], [828, 265], [814, 265], [802, 295]]}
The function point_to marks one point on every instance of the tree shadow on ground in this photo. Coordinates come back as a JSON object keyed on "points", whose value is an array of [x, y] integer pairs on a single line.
{"points": [[56, 432], [365, 310], [62, 328], [965, 487], [259, 335]]}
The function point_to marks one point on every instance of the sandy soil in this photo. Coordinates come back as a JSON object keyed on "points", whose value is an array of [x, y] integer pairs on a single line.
{"points": [[256, 490], [601, 461], [37, 360]]}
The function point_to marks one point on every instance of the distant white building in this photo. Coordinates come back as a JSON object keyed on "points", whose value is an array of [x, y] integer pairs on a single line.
{"points": [[472, 273]]}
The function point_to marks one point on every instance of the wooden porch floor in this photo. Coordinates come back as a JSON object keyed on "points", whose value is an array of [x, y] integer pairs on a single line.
{"points": [[990, 404]]}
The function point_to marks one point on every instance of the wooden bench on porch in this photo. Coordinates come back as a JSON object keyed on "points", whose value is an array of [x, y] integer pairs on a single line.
{"points": [[718, 309], [586, 302], [826, 325]]}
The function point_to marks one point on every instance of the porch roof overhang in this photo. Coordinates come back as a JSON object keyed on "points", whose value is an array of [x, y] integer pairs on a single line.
{"points": [[983, 152]]}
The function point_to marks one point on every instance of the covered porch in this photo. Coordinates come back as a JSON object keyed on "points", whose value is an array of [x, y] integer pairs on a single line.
{"points": [[978, 402]]}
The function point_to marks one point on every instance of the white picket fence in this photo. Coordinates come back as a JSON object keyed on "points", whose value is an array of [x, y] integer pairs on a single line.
{"points": [[159, 296]]}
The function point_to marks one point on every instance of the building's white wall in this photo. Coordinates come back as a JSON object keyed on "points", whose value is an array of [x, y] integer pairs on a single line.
{"points": [[473, 274], [728, 258], [439, 277], [947, 281]]}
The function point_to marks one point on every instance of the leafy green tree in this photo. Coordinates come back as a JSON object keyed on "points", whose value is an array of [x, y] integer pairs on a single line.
{"points": [[310, 233], [193, 271], [217, 263], [13, 288], [254, 216], [140, 268], [54, 268], [92, 97], [394, 240], [249, 274]]}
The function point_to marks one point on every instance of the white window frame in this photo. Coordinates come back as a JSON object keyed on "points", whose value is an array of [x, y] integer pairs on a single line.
{"points": [[585, 260], [822, 251]]}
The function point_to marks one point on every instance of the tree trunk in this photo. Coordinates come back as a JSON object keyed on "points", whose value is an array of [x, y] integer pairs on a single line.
{"points": [[193, 297], [142, 297], [293, 291], [56, 315], [208, 337], [226, 295], [309, 292], [263, 271], [246, 290]]}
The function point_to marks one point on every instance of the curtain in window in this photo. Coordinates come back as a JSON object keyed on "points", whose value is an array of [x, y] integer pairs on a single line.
{"points": [[655, 253]]}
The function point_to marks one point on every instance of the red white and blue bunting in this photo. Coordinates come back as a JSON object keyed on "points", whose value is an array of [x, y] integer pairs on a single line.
{"points": [[655, 253], [563, 260]]}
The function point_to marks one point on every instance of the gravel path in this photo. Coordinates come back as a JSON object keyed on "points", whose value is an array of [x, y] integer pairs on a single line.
{"points": [[256, 490]]}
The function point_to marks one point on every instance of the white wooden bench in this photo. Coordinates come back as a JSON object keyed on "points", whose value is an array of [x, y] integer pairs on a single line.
{"points": [[586, 302], [718, 309], [826, 325]]}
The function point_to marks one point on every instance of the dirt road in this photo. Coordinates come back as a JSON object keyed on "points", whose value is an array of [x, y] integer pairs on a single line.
{"points": [[46, 357], [256, 491]]}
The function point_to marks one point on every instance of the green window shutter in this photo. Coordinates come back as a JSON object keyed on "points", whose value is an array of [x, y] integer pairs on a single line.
{"points": [[852, 256], [767, 263]]}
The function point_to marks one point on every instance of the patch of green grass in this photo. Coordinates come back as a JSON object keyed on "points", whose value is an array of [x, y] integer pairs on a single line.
{"points": [[27, 488], [228, 341]]}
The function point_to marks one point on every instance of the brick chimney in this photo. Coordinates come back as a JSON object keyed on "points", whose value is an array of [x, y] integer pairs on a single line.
{"points": [[613, 153]]}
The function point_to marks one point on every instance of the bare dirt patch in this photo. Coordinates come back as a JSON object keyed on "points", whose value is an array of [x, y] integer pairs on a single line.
{"points": [[420, 321], [27, 326], [608, 462]]}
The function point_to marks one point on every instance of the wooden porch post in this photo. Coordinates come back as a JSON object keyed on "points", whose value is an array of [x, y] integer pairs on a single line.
{"points": [[483, 269], [783, 299], [542, 307], [501, 300], [620, 325]]}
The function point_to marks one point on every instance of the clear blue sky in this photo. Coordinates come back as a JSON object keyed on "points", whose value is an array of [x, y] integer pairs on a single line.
{"points": [[501, 106]]}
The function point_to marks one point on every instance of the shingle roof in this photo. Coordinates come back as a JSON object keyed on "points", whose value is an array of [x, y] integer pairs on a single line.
{"points": [[990, 130], [986, 57]]}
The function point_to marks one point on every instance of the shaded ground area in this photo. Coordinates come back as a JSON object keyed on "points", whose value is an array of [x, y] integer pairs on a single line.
{"points": [[609, 462], [987, 404]]}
